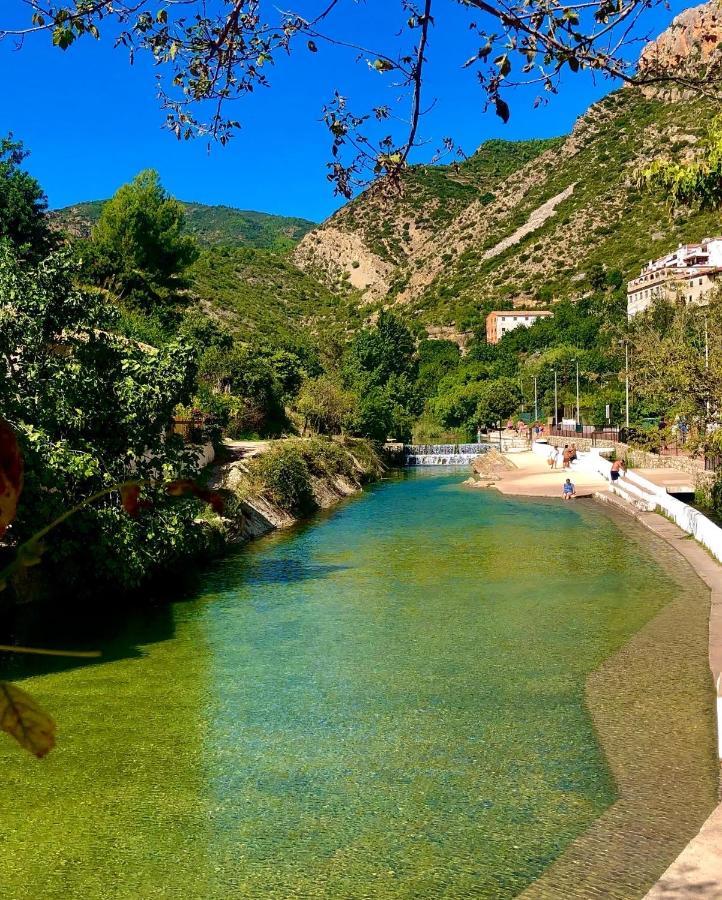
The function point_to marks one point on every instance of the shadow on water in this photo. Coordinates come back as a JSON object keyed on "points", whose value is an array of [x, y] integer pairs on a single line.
{"points": [[121, 626]]}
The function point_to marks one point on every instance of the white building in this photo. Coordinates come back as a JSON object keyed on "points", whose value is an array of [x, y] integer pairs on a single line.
{"points": [[684, 276], [500, 322]]}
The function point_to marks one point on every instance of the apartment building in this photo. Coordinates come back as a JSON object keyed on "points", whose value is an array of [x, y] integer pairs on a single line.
{"points": [[684, 276], [501, 322]]}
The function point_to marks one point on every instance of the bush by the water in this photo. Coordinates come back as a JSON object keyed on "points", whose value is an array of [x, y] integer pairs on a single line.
{"points": [[284, 475]]}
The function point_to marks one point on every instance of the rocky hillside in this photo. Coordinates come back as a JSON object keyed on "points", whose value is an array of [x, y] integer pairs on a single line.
{"points": [[213, 226], [521, 222]]}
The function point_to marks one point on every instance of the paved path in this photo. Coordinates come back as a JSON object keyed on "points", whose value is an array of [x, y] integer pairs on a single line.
{"points": [[696, 874], [674, 480], [532, 477], [245, 449]]}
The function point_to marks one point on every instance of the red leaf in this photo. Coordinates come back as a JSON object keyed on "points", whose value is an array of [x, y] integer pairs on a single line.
{"points": [[184, 486], [11, 475], [130, 498], [180, 487]]}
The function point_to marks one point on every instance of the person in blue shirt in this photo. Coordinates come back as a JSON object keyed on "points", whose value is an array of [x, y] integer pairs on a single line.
{"points": [[568, 490]]}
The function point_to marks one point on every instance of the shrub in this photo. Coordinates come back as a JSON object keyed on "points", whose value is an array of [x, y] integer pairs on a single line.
{"points": [[284, 475], [324, 457]]}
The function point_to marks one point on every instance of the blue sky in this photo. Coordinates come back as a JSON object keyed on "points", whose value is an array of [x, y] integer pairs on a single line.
{"points": [[92, 122]]}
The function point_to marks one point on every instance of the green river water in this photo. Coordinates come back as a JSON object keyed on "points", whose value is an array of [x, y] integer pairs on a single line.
{"points": [[391, 701]]}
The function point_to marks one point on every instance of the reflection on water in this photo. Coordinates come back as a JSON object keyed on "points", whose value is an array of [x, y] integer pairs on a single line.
{"points": [[390, 703]]}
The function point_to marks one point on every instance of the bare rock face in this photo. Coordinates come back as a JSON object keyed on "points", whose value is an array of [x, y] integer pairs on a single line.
{"points": [[334, 254], [690, 47]]}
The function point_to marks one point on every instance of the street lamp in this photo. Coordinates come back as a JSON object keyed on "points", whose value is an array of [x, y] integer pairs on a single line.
{"points": [[626, 382], [536, 402], [556, 402], [577, 363]]}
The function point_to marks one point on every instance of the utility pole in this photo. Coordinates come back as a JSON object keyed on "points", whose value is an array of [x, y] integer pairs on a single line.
{"points": [[556, 402], [536, 402], [626, 380], [706, 362], [577, 362]]}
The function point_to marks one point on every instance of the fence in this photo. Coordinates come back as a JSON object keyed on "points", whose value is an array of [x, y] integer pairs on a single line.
{"points": [[193, 430], [589, 432], [653, 442]]}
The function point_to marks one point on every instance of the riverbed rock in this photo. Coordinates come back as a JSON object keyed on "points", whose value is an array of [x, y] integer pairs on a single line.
{"points": [[491, 465]]}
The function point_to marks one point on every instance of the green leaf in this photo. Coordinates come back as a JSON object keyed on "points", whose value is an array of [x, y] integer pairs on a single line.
{"points": [[63, 37]]}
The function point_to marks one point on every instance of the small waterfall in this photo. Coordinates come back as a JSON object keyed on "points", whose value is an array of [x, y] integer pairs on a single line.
{"points": [[442, 454]]}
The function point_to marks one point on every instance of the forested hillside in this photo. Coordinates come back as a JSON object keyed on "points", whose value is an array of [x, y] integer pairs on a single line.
{"points": [[212, 226]]}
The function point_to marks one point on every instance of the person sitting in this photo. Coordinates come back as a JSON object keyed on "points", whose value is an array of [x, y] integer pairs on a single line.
{"points": [[568, 490]]}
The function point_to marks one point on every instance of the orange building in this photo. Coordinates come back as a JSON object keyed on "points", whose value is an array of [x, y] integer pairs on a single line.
{"points": [[501, 322]]}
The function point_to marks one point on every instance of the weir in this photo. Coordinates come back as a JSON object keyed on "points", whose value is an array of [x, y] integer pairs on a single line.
{"points": [[442, 454]]}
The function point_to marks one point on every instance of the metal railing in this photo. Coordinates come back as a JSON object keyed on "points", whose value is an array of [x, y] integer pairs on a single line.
{"points": [[588, 432]]}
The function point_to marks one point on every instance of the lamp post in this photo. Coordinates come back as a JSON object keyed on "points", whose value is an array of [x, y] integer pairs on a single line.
{"points": [[626, 384], [536, 401], [577, 363], [556, 402]]}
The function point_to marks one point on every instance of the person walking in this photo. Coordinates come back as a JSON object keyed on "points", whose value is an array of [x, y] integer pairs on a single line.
{"points": [[569, 492], [573, 453], [552, 458], [566, 456], [616, 470]]}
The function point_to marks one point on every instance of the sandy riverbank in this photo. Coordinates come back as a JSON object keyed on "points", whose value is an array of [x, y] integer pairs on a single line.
{"points": [[530, 476]]}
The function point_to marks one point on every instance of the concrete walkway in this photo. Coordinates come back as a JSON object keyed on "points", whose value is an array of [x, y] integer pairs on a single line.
{"points": [[696, 874], [532, 477], [673, 480]]}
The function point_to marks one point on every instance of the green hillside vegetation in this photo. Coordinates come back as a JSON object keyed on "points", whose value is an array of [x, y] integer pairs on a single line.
{"points": [[431, 196], [439, 233], [261, 294], [606, 221], [211, 226]]}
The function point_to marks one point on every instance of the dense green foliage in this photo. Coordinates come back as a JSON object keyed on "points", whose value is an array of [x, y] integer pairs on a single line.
{"points": [[22, 205], [92, 409], [381, 368], [211, 226]]}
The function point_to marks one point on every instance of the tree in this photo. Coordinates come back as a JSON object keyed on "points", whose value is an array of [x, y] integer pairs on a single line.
{"points": [[379, 352], [208, 54], [92, 409], [498, 399], [696, 183], [670, 370], [22, 205], [138, 247], [436, 360], [324, 404]]}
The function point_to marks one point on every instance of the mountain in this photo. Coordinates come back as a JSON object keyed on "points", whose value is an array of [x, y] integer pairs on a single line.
{"points": [[212, 225], [522, 222], [261, 294]]}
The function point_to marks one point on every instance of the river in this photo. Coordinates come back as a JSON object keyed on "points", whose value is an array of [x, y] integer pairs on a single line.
{"points": [[405, 697]]}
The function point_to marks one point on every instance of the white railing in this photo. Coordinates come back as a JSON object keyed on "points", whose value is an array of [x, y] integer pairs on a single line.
{"points": [[632, 485]]}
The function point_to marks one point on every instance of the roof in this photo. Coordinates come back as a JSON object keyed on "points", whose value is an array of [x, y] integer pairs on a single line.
{"points": [[521, 312]]}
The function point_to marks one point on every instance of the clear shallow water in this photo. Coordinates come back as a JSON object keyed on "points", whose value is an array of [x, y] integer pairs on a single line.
{"points": [[389, 702]]}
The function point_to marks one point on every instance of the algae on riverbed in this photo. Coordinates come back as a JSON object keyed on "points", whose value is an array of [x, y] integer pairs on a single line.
{"points": [[389, 702]]}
